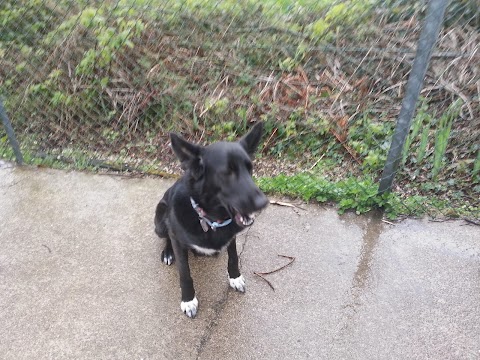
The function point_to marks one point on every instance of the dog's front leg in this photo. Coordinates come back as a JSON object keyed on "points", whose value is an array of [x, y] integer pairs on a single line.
{"points": [[189, 304], [237, 281]]}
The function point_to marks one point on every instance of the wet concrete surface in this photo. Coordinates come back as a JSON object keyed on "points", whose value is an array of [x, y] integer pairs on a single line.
{"points": [[81, 277]]}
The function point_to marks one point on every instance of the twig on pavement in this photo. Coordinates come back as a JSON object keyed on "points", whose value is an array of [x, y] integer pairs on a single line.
{"points": [[261, 274]]}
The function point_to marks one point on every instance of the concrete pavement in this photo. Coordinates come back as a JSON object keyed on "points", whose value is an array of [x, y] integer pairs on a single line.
{"points": [[81, 278]]}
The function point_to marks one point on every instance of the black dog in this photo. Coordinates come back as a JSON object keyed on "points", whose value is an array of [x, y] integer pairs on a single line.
{"points": [[204, 210]]}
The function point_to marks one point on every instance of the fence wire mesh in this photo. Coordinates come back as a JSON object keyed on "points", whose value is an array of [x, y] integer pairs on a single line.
{"points": [[94, 84]]}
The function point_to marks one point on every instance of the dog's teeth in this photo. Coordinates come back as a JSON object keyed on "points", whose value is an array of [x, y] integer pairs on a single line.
{"points": [[244, 220], [247, 221]]}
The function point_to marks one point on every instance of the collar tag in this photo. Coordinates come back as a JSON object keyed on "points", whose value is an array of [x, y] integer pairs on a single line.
{"points": [[204, 224]]}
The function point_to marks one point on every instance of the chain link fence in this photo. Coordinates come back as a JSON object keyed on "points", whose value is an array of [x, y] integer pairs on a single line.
{"points": [[100, 84]]}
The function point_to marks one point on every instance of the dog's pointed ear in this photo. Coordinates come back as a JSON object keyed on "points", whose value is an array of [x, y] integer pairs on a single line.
{"points": [[251, 140], [186, 152]]}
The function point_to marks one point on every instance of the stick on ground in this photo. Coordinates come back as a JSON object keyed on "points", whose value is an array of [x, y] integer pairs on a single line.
{"points": [[261, 274]]}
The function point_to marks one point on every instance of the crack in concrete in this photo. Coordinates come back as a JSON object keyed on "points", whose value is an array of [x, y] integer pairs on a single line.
{"points": [[244, 245], [219, 306], [217, 310], [12, 184]]}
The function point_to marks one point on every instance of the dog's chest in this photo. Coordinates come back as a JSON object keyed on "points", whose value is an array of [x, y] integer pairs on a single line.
{"points": [[207, 251], [212, 242]]}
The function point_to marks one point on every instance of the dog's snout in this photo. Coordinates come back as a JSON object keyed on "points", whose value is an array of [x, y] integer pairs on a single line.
{"points": [[260, 200]]}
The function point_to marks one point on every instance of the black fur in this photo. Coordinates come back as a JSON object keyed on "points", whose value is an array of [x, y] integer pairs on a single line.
{"points": [[219, 178]]}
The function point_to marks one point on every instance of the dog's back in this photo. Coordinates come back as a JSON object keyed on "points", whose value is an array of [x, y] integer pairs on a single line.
{"points": [[161, 214]]}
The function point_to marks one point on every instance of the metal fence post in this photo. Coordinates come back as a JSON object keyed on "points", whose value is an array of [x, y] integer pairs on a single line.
{"points": [[11, 135], [428, 37]]}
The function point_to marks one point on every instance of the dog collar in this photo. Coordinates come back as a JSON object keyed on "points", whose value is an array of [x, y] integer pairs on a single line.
{"points": [[204, 221]]}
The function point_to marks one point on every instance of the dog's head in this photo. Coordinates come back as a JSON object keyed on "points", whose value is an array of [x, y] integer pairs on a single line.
{"points": [[221, 174]]}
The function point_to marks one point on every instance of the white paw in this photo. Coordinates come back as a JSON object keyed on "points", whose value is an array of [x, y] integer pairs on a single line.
{"points": [[168, 260], [189, 308], [238, 283]]}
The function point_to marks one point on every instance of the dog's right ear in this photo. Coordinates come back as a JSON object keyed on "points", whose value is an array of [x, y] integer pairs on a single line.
{"points": [[186, 152]]}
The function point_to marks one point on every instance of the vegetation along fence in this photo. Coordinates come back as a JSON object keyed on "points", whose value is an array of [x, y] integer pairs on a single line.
{"points": [[91, 84]]}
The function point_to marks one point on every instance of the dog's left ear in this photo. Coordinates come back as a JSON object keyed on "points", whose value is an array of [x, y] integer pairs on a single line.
{"points": [[251, 140]]}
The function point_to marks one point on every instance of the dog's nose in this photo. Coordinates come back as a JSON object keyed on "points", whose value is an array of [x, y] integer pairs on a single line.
{"points": [[260, 200]]}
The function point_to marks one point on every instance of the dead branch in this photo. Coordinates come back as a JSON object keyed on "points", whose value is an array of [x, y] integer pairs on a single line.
{"points": [[261, 274]]}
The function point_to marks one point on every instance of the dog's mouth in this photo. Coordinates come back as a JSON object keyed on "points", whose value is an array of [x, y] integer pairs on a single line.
{"points": [[243, 220]]}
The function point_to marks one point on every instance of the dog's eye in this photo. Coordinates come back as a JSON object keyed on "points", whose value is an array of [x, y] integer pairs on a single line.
{"points": [[249, 167], [231, 170]]}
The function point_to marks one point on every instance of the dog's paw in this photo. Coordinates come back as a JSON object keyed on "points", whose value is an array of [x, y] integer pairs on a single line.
{"points": [[189, 308], [168, 258], [238, 283]]}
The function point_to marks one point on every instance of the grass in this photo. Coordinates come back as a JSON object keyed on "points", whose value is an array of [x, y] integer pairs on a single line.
{"points": [[354, 193], [361, 195]]}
